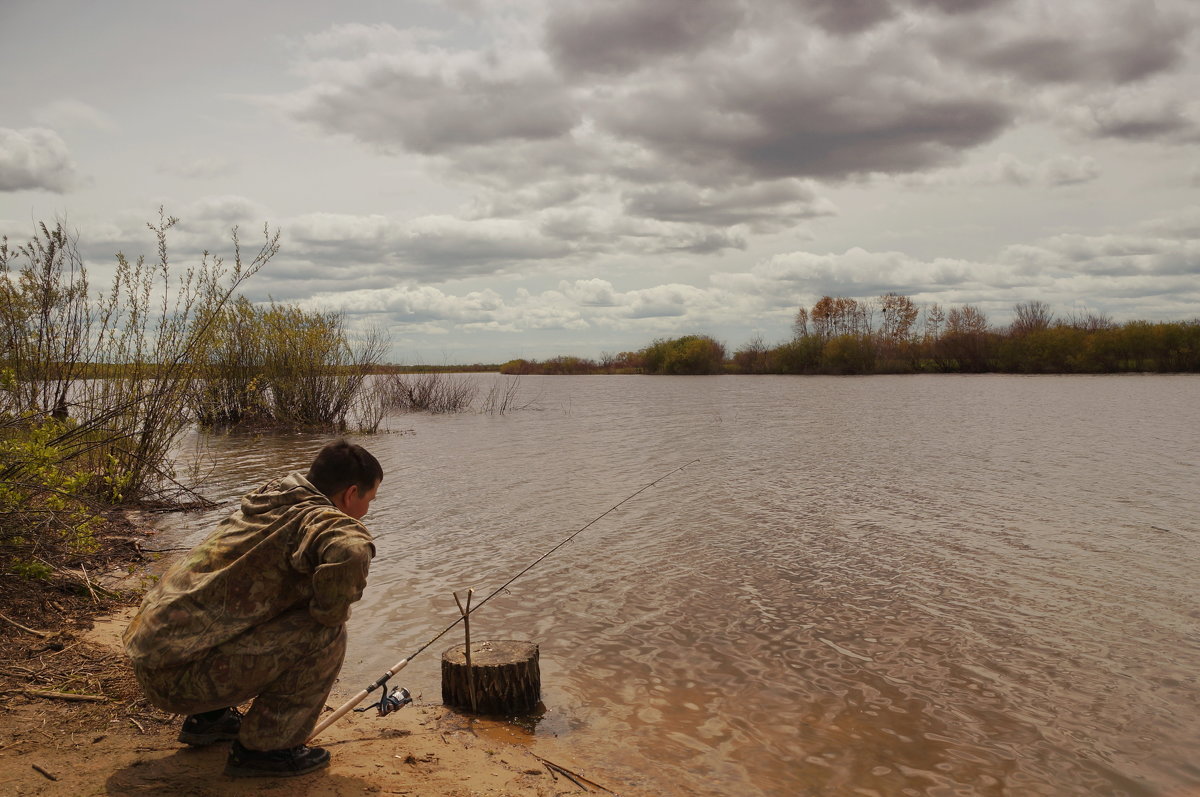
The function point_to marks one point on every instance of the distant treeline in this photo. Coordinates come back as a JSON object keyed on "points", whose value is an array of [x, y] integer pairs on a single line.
{"points": [[474, 368], [892, 335]]}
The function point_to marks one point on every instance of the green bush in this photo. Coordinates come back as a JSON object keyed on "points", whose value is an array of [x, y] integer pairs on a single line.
{"points": [[282, 366], [93, 393], [799, 356], [690, 354]]}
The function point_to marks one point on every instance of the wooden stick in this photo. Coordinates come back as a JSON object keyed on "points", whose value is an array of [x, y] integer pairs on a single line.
{"points": [[553, 768], [88, 582], [82, 576], [10, 621], [65, 696], [43, 771], [568, 773], [64, 650], [466, 615]]}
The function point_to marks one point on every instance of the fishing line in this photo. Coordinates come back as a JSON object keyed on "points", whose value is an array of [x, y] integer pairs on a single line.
{"points": [[541, 558], [387, 702]]}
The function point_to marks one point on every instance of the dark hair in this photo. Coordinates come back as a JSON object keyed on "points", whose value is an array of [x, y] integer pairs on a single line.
{"points": [[342, 463]]}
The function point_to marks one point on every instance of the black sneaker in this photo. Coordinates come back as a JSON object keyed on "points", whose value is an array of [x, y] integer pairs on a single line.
{"points": [[214, 726], [299, 760]]}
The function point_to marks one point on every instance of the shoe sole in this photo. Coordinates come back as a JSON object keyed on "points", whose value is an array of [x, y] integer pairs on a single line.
{"points": [[250, 772]]}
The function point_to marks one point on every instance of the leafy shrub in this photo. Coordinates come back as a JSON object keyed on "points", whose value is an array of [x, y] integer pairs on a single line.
{"points": [[690, 354]]}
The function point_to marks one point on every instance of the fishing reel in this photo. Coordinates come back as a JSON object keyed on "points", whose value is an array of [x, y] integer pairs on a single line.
{"points": [[388, 702]]}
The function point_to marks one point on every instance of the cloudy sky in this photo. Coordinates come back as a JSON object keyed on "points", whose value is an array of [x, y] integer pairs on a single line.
{"points": [[489, 179]]}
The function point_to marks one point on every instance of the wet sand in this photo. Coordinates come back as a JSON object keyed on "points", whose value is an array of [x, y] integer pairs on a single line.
{"points": [[51, 746]]}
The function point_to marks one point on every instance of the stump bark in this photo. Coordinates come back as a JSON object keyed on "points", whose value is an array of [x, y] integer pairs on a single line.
{"points": [[506, 673]]}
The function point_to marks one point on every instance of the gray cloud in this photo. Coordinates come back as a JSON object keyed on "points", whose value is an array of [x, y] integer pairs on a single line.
{"points": [[1166, 122], [536, 196], [432, 248], [781, 104], [797, 121], [959, 6], [626, 35], [766, 206], [849, 16], [852, 17], [35, 159], [436, 103], [692, 127], [1047, 58], [459, 248], [1127, 255], [1069, 43]]}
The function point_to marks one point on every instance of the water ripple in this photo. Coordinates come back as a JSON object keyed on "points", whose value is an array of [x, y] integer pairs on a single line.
{"points": [[932, 586]]}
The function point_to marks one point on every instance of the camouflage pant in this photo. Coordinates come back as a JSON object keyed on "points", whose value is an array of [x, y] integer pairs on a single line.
{"points": [[287, 666]]}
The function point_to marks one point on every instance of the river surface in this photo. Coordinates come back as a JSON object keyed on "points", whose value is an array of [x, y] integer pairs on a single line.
{"points": [[930, 585]]}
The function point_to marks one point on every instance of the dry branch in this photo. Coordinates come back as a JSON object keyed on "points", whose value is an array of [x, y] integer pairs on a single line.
{"points": [[43, 771], [69, 696], [574, 777], [10, 621]]}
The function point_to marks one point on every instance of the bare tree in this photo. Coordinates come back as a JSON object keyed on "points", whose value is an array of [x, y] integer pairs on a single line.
{"points": [[1090, 322], [1030, 317], [898, 313], [935, 319], [800, 324]]}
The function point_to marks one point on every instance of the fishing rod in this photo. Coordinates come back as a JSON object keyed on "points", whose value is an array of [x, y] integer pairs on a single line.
{"points": [[395, 700]]}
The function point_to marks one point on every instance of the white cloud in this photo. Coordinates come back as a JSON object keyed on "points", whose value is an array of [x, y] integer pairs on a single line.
{"points": [[1156, 265], [591, 293], [35, 159], [1007, 169], [1136, 116]]}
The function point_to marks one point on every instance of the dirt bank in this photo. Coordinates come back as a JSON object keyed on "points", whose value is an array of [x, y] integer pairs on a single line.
{"points": [[73, 721]]}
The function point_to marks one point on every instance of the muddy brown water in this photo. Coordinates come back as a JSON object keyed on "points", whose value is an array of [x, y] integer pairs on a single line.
{"points": [[935, 585]]}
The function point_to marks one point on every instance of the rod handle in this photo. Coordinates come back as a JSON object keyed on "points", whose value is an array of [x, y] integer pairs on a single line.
{"points": [[346, 707]]}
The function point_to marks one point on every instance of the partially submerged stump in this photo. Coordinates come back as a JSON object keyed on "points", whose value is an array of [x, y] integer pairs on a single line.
{"points": [[505, 672]]}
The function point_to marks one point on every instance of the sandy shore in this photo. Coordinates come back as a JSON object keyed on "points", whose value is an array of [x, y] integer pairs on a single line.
{"points": [[120, 746]]}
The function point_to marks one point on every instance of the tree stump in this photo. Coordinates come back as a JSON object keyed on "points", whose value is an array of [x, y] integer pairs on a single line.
{"points": [[506, 674]]}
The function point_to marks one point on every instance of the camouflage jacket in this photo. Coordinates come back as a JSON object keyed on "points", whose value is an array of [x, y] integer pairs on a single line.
{"points": [[286, 548]]}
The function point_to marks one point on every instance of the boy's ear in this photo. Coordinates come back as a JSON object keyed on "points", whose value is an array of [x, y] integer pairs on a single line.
{"points": [[340, 498]]}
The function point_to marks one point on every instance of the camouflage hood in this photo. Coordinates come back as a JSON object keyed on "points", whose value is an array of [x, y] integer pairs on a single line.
{"points": [[286, 547], [291, 490]]}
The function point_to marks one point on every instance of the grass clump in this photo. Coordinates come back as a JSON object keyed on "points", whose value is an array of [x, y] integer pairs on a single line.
{"points": [[429, 392], [280, 366]]}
